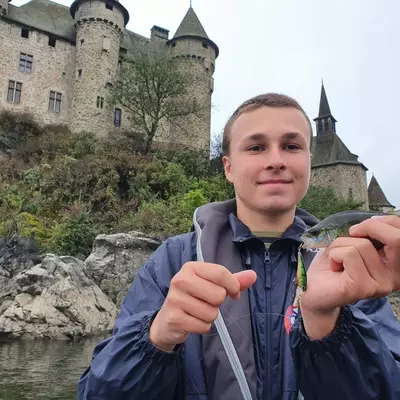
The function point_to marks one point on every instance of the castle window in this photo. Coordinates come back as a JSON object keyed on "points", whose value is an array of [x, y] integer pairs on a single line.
{"points": [[100, 102], [14, 91], [109, 6], [106, 43], [25, 33], [55, 102], [205, 45], [320, 126], [82, 41], [52, 41], [79, 73], [25, 62], [117, 117]]}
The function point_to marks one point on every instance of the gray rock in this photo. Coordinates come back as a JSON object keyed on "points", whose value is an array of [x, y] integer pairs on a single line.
{"points": [[115, 259], [54, 300], [395, 301]]}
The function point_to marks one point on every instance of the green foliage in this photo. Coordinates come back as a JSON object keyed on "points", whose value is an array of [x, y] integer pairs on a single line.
{"points": [[323, 201], [65, 188], [15, 130], [74, 235]]}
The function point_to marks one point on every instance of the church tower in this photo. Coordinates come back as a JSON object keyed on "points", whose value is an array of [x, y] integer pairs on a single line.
{"points": [[198, 54], [333, 164], [4, 7], [100, 26]]}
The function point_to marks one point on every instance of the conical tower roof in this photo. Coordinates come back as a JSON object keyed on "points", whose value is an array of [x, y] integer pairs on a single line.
{"points": [[191, 26], [376, 197]]}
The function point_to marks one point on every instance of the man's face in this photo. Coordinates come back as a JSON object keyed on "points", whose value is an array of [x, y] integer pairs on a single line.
{"points": [[269, 159]]}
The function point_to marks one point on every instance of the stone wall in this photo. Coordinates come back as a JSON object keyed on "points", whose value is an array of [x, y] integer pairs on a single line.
{"points": [[345, 178], [52, 70], [3, 7]]}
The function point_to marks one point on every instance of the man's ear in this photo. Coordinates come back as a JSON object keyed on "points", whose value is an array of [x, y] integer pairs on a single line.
{"points": [[227, 168]]}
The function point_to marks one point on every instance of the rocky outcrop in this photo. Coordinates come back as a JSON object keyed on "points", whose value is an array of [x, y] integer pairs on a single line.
{"points": [[54, 300], [395, 301], [115, 259], [45, 296]]}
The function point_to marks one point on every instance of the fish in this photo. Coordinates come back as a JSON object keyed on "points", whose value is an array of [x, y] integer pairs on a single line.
{"points": [[338, 225]]}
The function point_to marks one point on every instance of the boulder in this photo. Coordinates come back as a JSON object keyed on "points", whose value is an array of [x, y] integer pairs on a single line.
{"points": [[115, 259], [54, 300]]}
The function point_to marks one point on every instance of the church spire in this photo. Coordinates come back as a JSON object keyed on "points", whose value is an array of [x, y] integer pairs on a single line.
{"points": [[325, 121]]}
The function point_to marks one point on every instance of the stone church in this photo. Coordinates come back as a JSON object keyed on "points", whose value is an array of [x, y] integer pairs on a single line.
{"points": [[333, 164], [57, 63]]}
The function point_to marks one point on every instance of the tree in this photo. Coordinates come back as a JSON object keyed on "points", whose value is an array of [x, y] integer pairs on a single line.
{"points": [[153, 87], [324, 201]]}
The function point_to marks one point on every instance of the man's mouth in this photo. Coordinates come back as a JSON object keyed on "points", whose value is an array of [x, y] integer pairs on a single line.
{"points": [[275, 182]]}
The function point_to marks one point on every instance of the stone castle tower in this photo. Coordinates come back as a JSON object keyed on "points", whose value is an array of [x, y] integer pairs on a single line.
{"points": [[198, 53], [58, 62], [4, 7], [100, 26], [333, 165]]}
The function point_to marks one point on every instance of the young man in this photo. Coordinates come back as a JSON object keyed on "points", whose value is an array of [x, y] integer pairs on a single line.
{"points": [[209, 315]]}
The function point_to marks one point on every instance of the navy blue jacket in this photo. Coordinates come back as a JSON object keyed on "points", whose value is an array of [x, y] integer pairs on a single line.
{"points": [[359, 360]]}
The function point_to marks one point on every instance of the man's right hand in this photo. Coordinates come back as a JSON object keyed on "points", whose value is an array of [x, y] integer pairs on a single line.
{"points": [[191, 306]]}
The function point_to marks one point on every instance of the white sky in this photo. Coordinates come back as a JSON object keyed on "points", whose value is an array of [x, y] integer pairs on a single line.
{"points": [[289, 46]]}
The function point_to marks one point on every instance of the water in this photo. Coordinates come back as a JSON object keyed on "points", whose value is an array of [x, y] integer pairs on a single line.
{"points": [[43, 370]]}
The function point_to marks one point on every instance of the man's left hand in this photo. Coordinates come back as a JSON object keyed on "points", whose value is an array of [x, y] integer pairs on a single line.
{"points": [[349, 270]]}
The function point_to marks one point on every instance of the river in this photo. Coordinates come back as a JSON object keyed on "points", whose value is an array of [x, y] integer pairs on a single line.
{"points": [[42, 370]]}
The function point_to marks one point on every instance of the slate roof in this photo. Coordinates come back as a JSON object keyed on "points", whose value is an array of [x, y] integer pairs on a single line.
{"points": [[191, 26], [324, 109], [376, 197], [329, 149], [54, 18], [46, 16]]}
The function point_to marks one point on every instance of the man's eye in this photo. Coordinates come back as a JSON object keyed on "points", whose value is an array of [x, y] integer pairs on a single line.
{"points": [[255, 148], [292, 147]]}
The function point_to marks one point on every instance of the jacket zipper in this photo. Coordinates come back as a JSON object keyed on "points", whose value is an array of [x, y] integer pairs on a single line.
{"points": [[267, 262]]}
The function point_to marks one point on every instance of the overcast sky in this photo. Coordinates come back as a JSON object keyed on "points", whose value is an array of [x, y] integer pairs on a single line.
{"points": [[289, 46]]}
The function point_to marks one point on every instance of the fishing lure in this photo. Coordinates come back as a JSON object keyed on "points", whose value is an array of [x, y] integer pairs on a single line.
{"points": [[301, 277]]}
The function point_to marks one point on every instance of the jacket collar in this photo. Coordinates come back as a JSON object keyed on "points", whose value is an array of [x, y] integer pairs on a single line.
{"points": [[241, 232]]}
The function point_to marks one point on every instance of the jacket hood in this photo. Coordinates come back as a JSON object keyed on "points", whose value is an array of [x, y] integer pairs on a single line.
{"points": [[210, 212]]}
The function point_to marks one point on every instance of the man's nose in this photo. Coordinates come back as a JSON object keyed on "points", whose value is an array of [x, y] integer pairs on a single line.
{"points": [[275, 160]]}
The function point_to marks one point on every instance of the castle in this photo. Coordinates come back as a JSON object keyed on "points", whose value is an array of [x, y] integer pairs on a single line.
{"points": [[57, 63]]}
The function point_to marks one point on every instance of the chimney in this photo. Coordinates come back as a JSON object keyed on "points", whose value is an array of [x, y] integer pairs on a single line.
{"points": [[158, 32]]}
